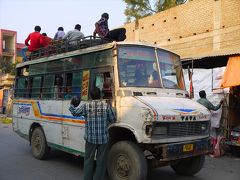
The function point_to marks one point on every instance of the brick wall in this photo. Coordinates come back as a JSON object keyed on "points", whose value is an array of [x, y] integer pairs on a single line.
{"points": [[198, 27]]}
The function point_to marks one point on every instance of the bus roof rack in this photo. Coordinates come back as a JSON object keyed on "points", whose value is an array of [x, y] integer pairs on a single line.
{"points": [[58, 47]]}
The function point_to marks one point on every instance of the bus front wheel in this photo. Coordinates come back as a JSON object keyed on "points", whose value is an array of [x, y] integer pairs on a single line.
{"points": [[189, 166], [126, 161], [39, 146]]}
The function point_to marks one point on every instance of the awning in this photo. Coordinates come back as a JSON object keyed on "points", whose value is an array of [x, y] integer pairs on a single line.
{"points": [[232, 73], [222, 52]]}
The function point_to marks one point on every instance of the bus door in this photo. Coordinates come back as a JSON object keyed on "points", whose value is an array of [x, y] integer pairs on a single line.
{"points": [[51, 106], [76, 83]]}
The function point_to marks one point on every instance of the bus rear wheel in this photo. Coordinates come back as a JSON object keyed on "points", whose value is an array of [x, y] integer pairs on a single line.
{"points": [[39, 146], [189, 166], [126, 161]]}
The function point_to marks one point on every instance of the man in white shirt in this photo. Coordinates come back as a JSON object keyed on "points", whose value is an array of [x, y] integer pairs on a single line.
{"points": [[74, 35]]}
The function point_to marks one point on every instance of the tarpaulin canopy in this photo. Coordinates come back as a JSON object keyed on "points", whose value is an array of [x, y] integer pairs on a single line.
{"points": [[232, 73]]}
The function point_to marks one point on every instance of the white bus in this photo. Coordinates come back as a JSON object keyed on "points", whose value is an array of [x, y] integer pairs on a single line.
{"points": [[157, 124]]}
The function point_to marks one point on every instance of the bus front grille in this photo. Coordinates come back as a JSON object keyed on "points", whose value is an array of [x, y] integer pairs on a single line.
{"points": [[188, 129], [181, 129]]}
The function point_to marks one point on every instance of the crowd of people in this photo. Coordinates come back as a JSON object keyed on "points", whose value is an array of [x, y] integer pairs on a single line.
{"points": [[36, 40]]}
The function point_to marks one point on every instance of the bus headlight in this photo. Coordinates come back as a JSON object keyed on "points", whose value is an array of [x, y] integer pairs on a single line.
{"points": [[152, 130], [205, 128], [148, 130]]}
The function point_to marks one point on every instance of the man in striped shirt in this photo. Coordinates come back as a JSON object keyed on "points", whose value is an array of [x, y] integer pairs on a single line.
{"points": [[101, 28], [99, 115]]}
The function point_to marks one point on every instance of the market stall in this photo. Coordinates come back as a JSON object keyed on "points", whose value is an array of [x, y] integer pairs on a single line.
{"points": [[231, 79]]}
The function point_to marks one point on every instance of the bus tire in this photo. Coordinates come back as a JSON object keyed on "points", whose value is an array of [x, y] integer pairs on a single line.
{"points": [[189, 166], [126, 161], [39, 146], [235, 150]]}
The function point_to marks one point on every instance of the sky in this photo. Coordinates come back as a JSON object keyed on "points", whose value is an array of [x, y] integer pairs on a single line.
{"points": [[23, 15]]}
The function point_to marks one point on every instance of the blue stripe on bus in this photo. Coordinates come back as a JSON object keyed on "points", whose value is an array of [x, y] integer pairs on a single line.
{"points": [[186, 110], [61, 116], [22, 104]]}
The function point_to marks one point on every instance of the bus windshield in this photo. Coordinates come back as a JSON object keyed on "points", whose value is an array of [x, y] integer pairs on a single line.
{"points": [[142, 66]]}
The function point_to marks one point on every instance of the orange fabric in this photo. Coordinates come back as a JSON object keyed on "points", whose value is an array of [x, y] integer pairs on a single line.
{"points": [[1, 97], [232, 73]]}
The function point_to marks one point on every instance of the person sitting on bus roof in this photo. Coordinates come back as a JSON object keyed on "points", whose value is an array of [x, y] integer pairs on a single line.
{"points": [[35, 43], [101, 28], [74, 35], [59, 34], [34, 39], [45, 40]]}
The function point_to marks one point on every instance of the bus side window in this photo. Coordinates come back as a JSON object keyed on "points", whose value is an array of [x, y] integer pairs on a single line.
{"points": [[103, 81], [99, 81], [36, 87], [68, 86], [29, 87], [107, 85], [21, 87], [58, 87], [107, 88], [77, 83], [47, 87]]}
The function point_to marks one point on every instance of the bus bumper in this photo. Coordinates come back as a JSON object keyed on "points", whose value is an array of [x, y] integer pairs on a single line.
{"points": [[184, 150]]}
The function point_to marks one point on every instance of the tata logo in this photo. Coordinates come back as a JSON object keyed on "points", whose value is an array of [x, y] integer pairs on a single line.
{"points": [[24, 110]]}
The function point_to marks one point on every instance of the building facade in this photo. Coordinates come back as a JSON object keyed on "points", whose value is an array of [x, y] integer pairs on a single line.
{"points": [[9, 51], [195, 29], [206, 34]]}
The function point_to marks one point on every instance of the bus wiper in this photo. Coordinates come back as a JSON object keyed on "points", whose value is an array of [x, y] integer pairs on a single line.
{"points": [[137, 93], [151, 93]]}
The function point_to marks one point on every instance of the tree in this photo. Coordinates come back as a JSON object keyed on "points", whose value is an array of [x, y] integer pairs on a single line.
{"points": [[6, 66], [137, 9]]}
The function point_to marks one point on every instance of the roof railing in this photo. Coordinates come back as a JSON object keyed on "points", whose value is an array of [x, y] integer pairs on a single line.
{"points": [[61, 46]]}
